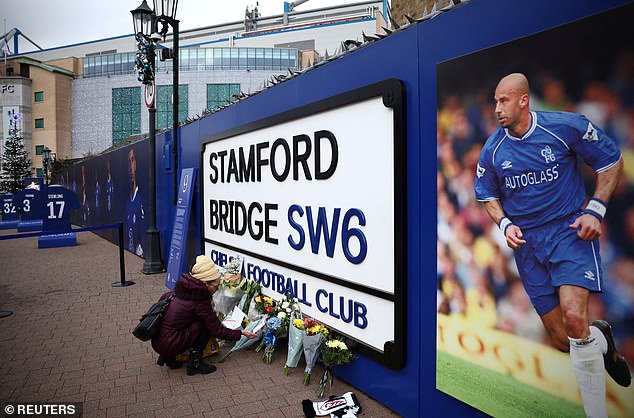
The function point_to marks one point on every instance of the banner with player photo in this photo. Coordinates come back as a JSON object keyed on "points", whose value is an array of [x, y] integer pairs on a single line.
{"points": [[113, 188], [492, 349]]}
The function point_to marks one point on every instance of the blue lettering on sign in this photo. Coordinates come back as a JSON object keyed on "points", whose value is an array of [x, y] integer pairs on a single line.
{"points": [[321, 227], [321, 292]]}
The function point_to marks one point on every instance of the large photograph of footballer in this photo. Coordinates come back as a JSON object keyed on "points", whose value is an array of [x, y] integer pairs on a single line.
{"points": [[535, 234]]}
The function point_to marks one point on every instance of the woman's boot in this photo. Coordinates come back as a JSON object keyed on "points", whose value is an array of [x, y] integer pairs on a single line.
{"points": [[169, 362], [197, 365]]}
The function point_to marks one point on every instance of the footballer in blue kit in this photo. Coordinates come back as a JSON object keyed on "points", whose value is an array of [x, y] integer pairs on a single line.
{"points": [[529, 179], [135, 215]]}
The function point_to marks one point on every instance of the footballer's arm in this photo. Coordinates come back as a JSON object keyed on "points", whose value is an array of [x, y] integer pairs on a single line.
{"points": [[512, 232], [588, 225]]}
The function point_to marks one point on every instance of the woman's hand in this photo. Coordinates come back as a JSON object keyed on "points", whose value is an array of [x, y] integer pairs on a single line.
{"points": [[250, 335]]}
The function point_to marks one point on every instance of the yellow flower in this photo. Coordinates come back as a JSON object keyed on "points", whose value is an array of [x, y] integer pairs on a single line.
{"points": [[298, 323]]}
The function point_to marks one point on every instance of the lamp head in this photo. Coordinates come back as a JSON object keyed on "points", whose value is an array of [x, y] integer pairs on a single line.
{"points": [[142, 19]]}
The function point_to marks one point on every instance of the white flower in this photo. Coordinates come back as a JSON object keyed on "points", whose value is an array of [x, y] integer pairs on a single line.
{"points": [[343, 346], [333, 343], [288, 310], [281, 315], [285, 305]]}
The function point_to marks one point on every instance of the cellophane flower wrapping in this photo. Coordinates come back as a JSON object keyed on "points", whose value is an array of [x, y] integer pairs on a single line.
{"points": [[230, 292], [250, 289], [245, 342], [312, 340], [295, 345], [269, 339]]}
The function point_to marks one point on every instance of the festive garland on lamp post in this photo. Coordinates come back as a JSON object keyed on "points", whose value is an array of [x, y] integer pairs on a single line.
{"points": [[145, 58]]}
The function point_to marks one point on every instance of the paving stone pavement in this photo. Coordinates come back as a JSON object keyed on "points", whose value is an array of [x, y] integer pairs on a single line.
{"points": [[69, 340]]}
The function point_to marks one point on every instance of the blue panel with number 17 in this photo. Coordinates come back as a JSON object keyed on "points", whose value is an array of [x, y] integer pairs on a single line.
{"points": [[58, 202]]}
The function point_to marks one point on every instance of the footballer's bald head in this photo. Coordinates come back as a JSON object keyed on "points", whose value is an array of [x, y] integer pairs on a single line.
{"points": [[514, 82]]}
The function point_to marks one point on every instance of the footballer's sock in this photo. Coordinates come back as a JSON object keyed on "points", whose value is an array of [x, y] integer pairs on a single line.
{"points": [[598, 335], [587, 364]]}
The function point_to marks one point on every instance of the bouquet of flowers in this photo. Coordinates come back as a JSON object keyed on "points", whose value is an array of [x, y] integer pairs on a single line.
{"points": [[256, 326], [264, 304], [233, 270], [277, 324], [230, 292], [334, 353], [312, 339], [269, 340], [250, 289], [295, 332]]}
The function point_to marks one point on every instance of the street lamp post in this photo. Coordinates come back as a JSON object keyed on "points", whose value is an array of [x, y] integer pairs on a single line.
{"points": [[165, 11], [46, 158], [144, 21]]}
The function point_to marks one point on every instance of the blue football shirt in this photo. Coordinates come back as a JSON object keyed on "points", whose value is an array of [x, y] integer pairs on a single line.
{"points": [[58, 202], [537, 177], [30, 203], [9, 211]]}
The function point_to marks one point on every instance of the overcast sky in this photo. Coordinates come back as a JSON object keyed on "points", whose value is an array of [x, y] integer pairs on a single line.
{"points": [[51, 23]]}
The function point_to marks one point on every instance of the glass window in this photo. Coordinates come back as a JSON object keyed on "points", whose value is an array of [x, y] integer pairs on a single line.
{"points": [[39, 149], [277, 60], [251, 59], [126, 113], [242, 54], [217, 58], [220, 94], [164, 105], [209, 59], [39, 172], [39, 123], [234, 59], [268, 58], [226, 59], [39, 96], [117, 64], [201, 59]]}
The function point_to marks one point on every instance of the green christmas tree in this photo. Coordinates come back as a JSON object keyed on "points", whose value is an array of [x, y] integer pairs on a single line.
{"points": [[16, 164]]}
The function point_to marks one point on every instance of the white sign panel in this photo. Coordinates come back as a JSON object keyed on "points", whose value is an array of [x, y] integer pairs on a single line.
{"points": [[310, 199]]}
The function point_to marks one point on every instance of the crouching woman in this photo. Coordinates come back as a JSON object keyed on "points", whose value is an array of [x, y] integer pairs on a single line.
{"points": [[190, 320]]}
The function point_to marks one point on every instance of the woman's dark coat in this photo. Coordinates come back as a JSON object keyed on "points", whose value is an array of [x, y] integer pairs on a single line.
{"points": [[189, 311]]}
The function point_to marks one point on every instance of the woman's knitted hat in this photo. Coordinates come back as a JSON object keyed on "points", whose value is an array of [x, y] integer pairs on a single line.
{"points": [[204, 269]]}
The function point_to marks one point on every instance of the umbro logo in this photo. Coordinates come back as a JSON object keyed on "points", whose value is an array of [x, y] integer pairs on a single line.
{"points": [[589, 275], [506, 164]]}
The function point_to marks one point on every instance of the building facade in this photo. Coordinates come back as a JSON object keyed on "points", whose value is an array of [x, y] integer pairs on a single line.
{"points": [[41, 94], [81, 99]]}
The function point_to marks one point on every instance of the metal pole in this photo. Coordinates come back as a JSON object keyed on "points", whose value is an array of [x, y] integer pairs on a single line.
{"points": [[153, 260], [122, 283], [176, 144]]}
